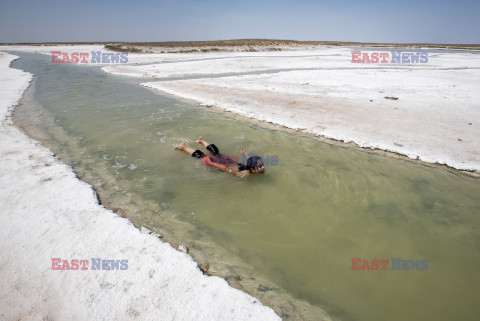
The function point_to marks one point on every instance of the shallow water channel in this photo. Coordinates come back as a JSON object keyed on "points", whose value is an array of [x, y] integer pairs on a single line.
{"points": [[299, 225]]}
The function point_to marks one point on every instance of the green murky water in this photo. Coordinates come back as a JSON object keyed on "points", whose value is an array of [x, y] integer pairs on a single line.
{"points": [[304, 220]]}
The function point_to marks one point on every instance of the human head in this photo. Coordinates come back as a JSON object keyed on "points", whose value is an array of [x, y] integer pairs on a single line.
{"points": [[255, 165]]}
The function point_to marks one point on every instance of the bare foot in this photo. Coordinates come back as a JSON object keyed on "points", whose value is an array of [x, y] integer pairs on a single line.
{"points": [[199, 140], [181, 146]]}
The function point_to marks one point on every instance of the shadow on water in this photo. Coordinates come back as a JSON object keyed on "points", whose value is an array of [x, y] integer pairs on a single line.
{"points": [[300, 224]]}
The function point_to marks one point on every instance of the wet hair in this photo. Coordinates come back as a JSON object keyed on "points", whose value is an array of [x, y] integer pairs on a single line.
{"points": [[256, 163]]}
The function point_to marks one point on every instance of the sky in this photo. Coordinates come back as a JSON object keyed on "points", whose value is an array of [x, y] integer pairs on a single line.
{"points": [[398, 21]]}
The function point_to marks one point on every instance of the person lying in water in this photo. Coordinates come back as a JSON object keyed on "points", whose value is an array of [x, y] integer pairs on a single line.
{"points": [[254, 164]]}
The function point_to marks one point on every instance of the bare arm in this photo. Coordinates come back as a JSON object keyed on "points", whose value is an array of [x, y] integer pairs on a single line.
{"points": [[243, 151], [224, 168]]}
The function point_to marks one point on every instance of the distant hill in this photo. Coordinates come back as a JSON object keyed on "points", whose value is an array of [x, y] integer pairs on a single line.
{"points": [[254, 43]]}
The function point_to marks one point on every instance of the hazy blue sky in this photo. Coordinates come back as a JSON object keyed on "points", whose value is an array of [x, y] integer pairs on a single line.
{"points": [[370, 20]]}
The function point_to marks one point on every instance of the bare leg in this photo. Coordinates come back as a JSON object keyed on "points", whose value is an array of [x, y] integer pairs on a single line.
{"points": [[185, 148], [200, 140]]}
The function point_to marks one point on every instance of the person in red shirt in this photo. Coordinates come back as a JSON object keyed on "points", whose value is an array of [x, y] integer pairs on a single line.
{"points": [[254, 164]]}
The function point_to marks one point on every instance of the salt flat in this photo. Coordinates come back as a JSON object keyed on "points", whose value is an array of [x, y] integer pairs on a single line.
{"points": [[429, 112], [50, 213]]}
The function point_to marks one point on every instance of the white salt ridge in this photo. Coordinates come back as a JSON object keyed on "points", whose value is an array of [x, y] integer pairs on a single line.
{"points": [[47, 212], [322, 58]]}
